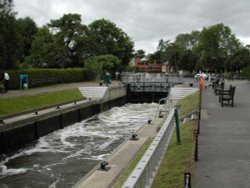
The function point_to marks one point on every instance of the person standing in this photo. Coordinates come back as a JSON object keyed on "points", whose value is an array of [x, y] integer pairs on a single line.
{"points": [[6, 81]]}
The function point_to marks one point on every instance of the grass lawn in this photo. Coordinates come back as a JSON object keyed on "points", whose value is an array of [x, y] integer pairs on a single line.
{"points": [[179, 158], [14, 105]]}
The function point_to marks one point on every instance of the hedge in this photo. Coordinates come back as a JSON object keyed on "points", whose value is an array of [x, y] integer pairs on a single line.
{"points": [[43, 77]]}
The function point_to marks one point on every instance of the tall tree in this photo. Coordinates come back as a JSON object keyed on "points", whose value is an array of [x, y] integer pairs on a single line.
{"points": [[140, 53], [10, 40], [27, 28], [42, 50], [239, 60], [188, 41], [70, 39], [216, 44], [159, 56], [106, 38], [100, 64], [174, 54]]}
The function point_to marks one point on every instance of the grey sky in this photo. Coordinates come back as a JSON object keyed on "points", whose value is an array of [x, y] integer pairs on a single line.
{"points": [[147, 21]]}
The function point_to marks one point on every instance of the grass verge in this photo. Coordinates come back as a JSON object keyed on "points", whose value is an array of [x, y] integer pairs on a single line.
{"points": [[179, 158], [14, 105]]}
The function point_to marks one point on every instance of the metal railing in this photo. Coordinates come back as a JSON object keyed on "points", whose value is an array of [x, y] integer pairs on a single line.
{"points": [[165, 105], [129, 77], [145, 171]]}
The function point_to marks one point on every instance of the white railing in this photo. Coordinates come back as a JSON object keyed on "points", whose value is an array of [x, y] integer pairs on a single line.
{"points": [[146, 169]]}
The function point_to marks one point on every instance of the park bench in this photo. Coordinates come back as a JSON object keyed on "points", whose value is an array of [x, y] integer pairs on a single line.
{"points": [[44, 81], [227, 96], [219, 88]]}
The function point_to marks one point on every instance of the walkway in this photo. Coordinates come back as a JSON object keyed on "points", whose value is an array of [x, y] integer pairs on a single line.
{"points": [[59, 87], [224, 141]]}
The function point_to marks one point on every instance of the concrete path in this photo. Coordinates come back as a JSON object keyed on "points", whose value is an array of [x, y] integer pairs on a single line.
{"points": [[59, 87], [224, 141]]}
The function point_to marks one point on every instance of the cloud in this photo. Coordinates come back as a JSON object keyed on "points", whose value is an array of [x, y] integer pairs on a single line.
{"points": [[147, 21]]}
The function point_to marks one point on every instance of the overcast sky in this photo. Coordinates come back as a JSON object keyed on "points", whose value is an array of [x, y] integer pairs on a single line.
{"points": [[147, 21]]}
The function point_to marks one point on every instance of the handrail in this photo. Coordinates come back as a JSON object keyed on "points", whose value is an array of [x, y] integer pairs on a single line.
{"points": [[145, 171], [168, 104]]}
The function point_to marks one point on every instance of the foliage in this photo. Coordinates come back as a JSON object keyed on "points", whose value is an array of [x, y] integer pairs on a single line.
{"points": [[188, 41], [67, 43], [159, 56], [69, 38], [106, 38], [27, 29], [216, 44], [140, 53], [239, 60], [174, 54], [61, 75], [42, 50], [19, 104], [246, 72], [10, 41], [102, 63], [6, 8]]}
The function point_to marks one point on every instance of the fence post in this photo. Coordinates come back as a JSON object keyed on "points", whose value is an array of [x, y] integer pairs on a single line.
{"points": [[177, 126], [196, 145]]}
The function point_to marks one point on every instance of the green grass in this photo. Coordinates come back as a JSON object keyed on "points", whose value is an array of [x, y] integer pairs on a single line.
{"points": [[179, 158], [126, 172], [14, 105], [189, 104]]}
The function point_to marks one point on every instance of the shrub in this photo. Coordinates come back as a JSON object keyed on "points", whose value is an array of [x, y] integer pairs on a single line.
{"points": [[59, 75]]}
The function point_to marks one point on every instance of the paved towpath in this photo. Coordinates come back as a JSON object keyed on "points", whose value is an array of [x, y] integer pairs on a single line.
{"points": [[224, 141], [34, 91]]}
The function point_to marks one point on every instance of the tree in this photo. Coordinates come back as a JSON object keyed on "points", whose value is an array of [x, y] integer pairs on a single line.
{"points": [[6, 8], [102, 63], [188, 60], [159, 56], [10, 40], [42, 50], [27, 28], [106, 38], [70, 38], [216, 44], [140, 53], [188, 41], [239, 60], [173, 55]]}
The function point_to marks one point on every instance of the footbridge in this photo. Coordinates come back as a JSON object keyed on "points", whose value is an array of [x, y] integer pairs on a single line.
{"points": [[149, 87]]}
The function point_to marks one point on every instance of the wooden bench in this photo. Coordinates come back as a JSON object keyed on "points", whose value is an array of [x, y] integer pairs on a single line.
{"points": [[227, 97], [219, 88]]}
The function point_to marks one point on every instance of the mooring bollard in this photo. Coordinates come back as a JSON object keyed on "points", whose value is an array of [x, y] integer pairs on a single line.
{"points": [[177, 126]]}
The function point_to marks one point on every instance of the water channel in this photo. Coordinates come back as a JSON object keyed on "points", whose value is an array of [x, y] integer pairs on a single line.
{"points": [[61, 158]]}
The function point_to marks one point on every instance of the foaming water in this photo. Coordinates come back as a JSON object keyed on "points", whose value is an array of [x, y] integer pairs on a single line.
{"points": [[61, 158]]}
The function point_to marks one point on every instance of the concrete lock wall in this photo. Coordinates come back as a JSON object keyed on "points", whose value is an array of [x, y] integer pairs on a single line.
{"points": [[16, 135]]}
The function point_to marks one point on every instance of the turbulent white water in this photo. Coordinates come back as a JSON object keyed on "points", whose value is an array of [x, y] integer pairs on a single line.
{"points": [[64, 156]]}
